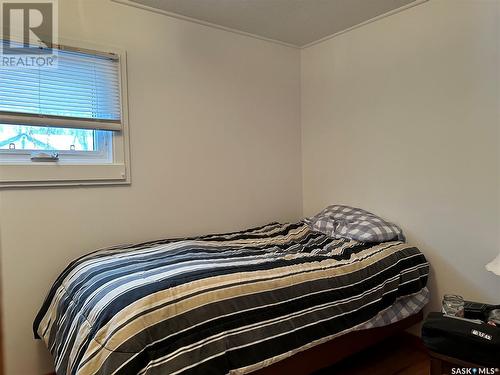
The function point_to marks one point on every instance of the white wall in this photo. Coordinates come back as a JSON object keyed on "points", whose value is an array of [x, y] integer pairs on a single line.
{"points": [[215, 146], [400, 117]]}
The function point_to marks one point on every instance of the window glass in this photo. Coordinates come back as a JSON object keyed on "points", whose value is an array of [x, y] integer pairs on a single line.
{"points": [[20, 137]]}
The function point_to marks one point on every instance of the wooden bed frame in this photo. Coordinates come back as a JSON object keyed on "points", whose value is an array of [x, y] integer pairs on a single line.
{"points": [[331, 352]]}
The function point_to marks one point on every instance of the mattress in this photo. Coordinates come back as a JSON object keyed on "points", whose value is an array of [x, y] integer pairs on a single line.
{"points": [[221, 303]]}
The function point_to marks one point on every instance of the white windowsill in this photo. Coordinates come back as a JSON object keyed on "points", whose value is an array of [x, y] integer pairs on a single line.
{"points": [[49, 174]]}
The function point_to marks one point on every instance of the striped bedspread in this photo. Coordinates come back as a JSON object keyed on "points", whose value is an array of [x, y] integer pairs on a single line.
{"points": [[220, 303]]}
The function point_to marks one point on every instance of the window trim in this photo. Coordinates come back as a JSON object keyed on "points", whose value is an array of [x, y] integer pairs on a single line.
{"points": [[70, 171]]}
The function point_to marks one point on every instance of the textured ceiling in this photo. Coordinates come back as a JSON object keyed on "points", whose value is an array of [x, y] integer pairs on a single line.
{"points": [[296, 22]]}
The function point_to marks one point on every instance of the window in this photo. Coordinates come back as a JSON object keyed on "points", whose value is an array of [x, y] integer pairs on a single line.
{"points": [[65, 124], [19, 137]]}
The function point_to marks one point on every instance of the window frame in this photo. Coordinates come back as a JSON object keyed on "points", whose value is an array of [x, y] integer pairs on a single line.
{"points": [[107, 166]]}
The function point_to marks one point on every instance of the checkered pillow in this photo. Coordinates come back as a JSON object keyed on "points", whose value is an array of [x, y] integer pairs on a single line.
{"points": [[343, 221]]}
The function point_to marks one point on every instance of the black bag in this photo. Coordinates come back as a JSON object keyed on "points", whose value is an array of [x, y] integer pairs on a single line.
{"points": [[462, 339]]}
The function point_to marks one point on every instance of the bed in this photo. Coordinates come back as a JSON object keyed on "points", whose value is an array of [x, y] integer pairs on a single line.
{"points": [[225, 303]]}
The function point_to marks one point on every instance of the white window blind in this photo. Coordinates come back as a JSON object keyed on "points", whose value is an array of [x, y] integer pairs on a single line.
{"points": [[82, 92]]}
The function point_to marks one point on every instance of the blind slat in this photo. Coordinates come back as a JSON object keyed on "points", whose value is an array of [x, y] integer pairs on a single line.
{"points": [[60, 121], [65, 78], [28, 85]]}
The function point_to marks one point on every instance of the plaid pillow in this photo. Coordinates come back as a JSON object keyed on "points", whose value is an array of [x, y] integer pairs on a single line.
{"points": [[343, 221]]}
